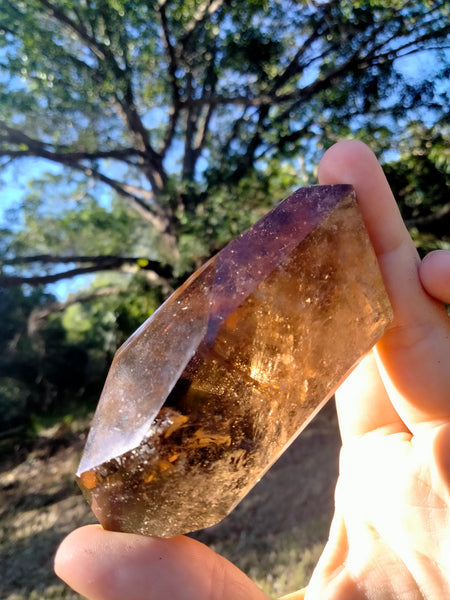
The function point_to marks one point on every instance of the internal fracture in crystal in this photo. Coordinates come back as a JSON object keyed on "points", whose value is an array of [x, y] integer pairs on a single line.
{"points": [[211, 389]]}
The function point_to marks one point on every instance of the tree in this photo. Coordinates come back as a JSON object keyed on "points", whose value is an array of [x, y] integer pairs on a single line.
{"points": [[421, 179], [163, 118], [37, 372]]}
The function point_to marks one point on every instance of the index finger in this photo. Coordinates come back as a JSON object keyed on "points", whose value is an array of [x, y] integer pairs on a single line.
{"points": [[415, 350]]}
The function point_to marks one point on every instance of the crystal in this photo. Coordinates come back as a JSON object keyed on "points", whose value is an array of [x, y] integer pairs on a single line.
{"points": [[212, 388]]}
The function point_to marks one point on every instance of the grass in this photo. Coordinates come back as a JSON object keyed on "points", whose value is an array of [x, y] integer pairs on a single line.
{"points": [[287, 562], [275, 535]]}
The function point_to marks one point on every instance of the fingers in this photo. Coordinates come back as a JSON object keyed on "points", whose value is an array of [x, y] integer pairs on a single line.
{"points": [[352, 162], [434, 274], [106, 565], [415, 350]]}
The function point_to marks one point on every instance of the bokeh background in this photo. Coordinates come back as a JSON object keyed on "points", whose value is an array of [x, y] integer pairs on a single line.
{"points": [[136, 139]]}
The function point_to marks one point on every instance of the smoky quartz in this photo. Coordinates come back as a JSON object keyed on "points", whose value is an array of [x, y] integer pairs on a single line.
{"points": [[210, 390]]}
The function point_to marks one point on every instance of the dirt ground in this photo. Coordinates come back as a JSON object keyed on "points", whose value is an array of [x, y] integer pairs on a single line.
{"points": [[275, 535]]}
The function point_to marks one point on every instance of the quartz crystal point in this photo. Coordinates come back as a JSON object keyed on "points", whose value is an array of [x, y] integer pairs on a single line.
{"points": [[210, 390]]}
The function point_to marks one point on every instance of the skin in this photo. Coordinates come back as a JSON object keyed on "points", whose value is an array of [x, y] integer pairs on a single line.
{"points": [[390, 535]]}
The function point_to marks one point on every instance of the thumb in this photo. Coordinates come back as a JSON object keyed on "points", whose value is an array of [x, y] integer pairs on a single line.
{"points": [[106, 565]]}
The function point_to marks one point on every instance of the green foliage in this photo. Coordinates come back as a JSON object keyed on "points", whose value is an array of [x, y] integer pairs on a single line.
{"points": [[19, 360], [14, 395], [230, 209], [163, 129], [101, 325], [83, 229], [420, 179], [64, 358]]}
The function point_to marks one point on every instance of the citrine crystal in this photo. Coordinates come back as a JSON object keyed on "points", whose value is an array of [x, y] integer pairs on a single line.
{"points": [[210, 390]]}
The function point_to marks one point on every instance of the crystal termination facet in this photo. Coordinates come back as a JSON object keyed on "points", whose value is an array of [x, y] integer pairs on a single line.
{"points": [[210, 390]]}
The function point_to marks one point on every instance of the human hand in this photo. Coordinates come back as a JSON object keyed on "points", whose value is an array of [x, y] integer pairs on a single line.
{"points": [[390, 536]]}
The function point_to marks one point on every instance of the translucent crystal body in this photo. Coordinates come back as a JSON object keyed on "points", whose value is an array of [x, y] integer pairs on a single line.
{"points": [[210, 390]]}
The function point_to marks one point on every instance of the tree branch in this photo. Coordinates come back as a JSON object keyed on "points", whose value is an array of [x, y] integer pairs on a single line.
{"points": [[235, 131], [287, 138], [209, 87], [248, 158], [429, 219], [101, 51], [353, 63], [160, 222], [41, 313], [56, 259], [98, 264], [130, 192], [80, 20], [356, 61], [174, 110], [191, 118], [68, 157], [293, 68], [202, 130], [198, 117], [155, 171]]}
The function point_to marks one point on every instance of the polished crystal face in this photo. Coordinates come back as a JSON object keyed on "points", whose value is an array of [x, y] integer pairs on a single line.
{"points": [[210, 390]]}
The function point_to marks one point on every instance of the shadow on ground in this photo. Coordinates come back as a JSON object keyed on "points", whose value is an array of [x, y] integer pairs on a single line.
{"points": [[275, 534]]}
